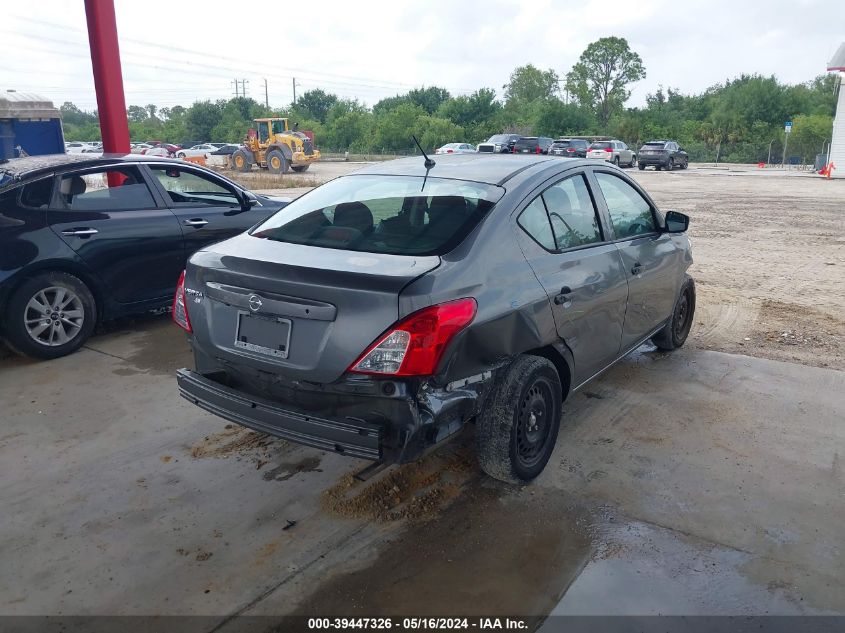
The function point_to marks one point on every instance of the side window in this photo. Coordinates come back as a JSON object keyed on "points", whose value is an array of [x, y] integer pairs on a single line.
{"points": [[572, 213], [535, 222], [630, 213], [188, 187], [118, 189], [37, 195]]}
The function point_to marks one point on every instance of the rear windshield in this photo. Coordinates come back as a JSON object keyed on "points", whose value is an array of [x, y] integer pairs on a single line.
{"points": [[600, 145], [655, 144], [499, 138], [562, 143], [398, 215]]}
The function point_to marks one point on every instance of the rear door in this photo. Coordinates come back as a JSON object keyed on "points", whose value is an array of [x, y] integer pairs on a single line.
{"points": [[111, 219], [649, 256], [209, 209], [580, 269]]}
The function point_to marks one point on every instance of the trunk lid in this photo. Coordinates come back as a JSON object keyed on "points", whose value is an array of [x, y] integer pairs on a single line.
{"points": [[302, 311]]}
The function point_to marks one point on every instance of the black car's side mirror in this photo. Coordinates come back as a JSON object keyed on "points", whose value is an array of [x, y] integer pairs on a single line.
{"points": [[248, 200], [676, 222]]}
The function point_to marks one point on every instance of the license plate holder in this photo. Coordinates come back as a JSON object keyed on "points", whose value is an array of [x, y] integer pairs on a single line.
{"points": [[269, 335]]}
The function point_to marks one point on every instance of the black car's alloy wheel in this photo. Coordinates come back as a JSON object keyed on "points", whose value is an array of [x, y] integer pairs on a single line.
{"points": [[50, 315]]}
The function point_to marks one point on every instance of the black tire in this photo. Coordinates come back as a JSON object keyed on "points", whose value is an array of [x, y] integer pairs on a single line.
{"points": [[640, 166], [675, 332], [19, 310], [240, 161], [180, 155], [276, 162], [633, 160], [300, 168], [685, 164], [525, 393], [670, 165]]}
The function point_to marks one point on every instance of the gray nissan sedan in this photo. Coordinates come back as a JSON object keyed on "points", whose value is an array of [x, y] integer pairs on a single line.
{"points": [[378, 314]]}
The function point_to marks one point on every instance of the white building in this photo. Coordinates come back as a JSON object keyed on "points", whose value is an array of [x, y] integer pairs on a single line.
{"points": [[837, 142]]}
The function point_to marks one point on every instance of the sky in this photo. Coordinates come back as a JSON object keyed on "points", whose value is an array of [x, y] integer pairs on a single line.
{"points": [[176, 52]]}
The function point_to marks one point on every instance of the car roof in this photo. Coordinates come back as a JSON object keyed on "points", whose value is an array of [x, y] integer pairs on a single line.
{"points": [[19, 168], [494, 169]]}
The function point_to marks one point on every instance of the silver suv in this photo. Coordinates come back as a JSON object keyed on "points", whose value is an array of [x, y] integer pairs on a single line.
{"points": [[615, 152]]}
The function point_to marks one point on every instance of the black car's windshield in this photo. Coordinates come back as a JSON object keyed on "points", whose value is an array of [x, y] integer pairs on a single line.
{"points": [[398, 215], [499, 138]]}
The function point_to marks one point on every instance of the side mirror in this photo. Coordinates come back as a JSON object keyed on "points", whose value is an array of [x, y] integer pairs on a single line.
{"points": [[248, 200], [676, 222]]}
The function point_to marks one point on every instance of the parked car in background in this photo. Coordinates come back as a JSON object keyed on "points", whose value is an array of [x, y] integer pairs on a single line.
{"points": [[363, 320], [203, 150], [499, 144], [140, 148], [76, 147], [662, 155], [532, 145], [85, 238], [163, 150], [226, 149], [572, 147], [615, 152], [456, 148]]}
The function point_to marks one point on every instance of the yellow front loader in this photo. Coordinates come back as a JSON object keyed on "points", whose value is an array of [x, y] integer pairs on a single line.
{"points": [[275, 148]]}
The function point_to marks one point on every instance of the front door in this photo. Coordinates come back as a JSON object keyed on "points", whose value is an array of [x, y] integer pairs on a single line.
{"points": [[208, 208], [111, 219], [649, 256], [580, 270]]}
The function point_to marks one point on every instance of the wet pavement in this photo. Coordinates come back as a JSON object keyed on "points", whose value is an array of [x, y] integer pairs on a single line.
{"points": [[686, 483]]}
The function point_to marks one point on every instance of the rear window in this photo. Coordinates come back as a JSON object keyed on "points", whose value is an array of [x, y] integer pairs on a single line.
{"points": [[655, 144], [397, 215], [561, 144], [601, 145]]}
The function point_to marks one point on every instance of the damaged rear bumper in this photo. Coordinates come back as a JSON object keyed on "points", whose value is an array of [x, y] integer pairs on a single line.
{"points": [[349, 436], [353, 417]]}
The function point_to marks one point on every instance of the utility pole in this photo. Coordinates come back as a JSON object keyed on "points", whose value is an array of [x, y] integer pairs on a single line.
{"points": [[266, 95], [236, 86], [294, 90], [244, 82]]}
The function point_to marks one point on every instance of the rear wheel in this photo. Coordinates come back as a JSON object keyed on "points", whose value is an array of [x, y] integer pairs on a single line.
{"points": [[240, 161], [276, 163], [633, 160], [517, 432], [300, 168], [670, 165], [640, 166], [51, 314], [675, 332], [180, 155]]}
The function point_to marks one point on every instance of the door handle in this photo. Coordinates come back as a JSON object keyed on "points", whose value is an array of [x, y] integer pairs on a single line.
{"points": [[637, 269], [562, 299], [80, 232], [196, 222]]}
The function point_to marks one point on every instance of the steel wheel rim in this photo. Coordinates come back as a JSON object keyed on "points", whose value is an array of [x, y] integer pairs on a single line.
{"points": [[533, 423], [682, 315], [239, 161], [275, 162], [54, 316]]}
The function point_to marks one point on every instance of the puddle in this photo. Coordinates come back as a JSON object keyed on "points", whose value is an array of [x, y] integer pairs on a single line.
{"points": [[240, 443], [418, 490], [495, 551]]}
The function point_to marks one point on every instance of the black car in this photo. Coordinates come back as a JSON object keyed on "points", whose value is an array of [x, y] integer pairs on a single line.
{"points": [[572, 147], [381, 312], [532, 145], [663, 155], [85, 238]]}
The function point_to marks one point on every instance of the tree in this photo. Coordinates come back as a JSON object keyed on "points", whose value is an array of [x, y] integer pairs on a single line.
{"points": [[136, 114], [317, 104], [429, 99], [529, 83], [201, 119], [601, 77]]}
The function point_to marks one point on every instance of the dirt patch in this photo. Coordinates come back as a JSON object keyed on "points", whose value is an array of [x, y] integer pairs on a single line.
{"points": [[285, 471], [418, 490], [240, 443]]}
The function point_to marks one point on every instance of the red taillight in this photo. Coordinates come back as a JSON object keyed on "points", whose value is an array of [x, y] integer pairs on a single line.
{"points": [[180, 306], [570, 150], [608, 149], [449, 151], [537, 150], [415, 345]]}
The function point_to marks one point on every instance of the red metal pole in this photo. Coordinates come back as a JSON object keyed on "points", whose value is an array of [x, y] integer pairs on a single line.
{"points": [[108, 80]]}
